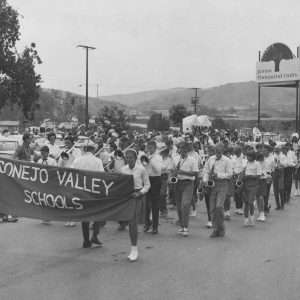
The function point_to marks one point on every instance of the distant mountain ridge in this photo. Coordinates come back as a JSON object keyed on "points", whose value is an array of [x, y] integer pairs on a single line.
{"points": [[241, 95]]}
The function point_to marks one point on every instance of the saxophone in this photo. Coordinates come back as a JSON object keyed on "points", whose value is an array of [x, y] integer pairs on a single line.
{"points": [[174, 179], [211, 181], [239, 181]]}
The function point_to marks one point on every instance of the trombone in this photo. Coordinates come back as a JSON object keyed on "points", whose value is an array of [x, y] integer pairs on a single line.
{"points": [[109, 163], [65, 155]]}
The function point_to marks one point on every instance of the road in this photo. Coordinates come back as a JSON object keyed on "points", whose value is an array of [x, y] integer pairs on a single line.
{"points": [[47, 262]]}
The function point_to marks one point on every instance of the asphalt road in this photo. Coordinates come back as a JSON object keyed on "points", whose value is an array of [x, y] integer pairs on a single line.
{"points": [[47, 262]]}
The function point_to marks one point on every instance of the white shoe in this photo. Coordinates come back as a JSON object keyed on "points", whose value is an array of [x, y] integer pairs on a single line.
{"points": [[246, 222], [134, 254], [296, 193], [252, 221], [227, 215], [193, 213], [261, 217], [241, 212], [180, 231], [209, 224], [70, 224], [185, 232]]}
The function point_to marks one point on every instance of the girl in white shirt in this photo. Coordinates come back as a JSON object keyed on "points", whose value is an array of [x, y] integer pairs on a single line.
{"points": [[251, 175]]}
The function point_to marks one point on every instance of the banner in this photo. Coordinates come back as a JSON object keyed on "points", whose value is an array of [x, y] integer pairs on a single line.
{"points": [[63, 194]]}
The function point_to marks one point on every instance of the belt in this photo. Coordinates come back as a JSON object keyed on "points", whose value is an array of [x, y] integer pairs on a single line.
{"points": [[185, 180], [221, 179]]}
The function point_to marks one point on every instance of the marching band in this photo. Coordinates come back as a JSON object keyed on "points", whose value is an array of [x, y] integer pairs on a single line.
{"points": [[182, 170]]}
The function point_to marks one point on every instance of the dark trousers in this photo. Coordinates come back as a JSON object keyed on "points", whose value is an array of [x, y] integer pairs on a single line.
{"points": [[164, 193], [86, 230], [172, 193], [238, 199], [195, 194], [278, 187], [288, 181], [206, 197], [266, 198], [152, 202], [216, 203], [227, 203]]}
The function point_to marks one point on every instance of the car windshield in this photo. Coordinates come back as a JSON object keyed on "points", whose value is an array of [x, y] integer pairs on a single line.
{"points": [[8, 145]]}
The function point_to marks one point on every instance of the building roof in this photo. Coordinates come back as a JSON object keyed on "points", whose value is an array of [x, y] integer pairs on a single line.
{"points": [[9, 123]]}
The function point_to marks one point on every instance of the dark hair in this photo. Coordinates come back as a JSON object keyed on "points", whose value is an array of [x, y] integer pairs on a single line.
{"points": [[251, 154], [45, 149], [69, 138], [119, 153], [26, 136], [50, 135], [152, 143], [260, 156], [132, 151], [113, 146]]}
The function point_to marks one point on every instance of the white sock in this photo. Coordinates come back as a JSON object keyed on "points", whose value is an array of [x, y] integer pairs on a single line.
{"points": [[134, 249], [133, 253]]}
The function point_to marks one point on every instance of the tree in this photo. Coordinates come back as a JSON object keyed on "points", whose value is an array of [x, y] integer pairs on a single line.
{"points": [[177, 113], [19, 83], [113, 117], [158, 122]]}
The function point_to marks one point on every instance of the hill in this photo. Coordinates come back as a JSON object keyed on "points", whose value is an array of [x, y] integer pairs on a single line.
{"points": [[242, 96], [60, 106]]}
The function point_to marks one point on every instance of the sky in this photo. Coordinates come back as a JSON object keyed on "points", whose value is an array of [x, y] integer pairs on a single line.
{"points": [[153, 44]]}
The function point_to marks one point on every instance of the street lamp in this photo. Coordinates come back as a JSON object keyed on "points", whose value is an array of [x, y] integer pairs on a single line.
{"points": [[87, 48]]}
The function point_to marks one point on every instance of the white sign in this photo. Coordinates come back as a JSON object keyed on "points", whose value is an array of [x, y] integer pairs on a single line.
{"points": [[286, 70]]}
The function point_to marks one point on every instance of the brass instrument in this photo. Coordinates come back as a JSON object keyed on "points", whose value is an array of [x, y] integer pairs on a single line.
{"points": [[201, 190], [110, 164], [239, 180], [211, 181], [174, 179], [65, 155], [99, 151], [144, 160], [277, 163]]}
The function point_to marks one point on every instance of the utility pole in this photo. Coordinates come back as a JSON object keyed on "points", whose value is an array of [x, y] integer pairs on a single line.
{"points": [[87, 48], [97, 85], [195, 100]]}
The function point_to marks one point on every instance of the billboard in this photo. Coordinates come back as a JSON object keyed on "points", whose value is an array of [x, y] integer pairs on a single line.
{"points": [[278, 64]]}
